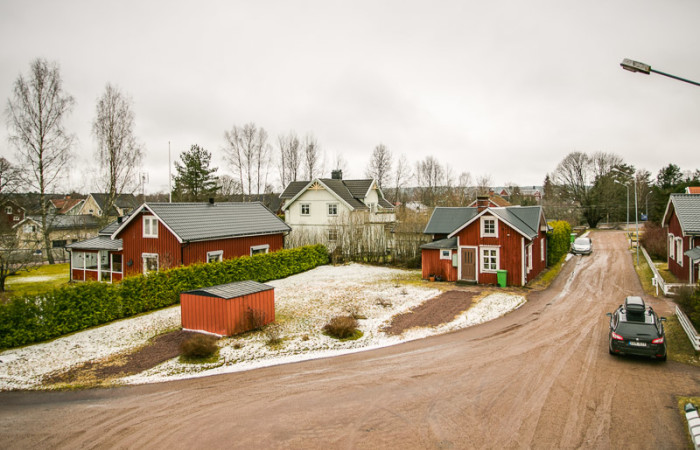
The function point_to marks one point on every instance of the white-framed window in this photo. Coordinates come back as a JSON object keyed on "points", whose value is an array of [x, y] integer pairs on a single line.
{"points": [[78, 260], [529, 257], [332, 209], [305, 209], [150, 227], [489, 259], [489, 226], [215, 256], [150, 262], [445, 254], [15, 218], [332, 235], [117, 263], [679, 251], [671, 247], [8, 210], [259, 249], [541, 249]]}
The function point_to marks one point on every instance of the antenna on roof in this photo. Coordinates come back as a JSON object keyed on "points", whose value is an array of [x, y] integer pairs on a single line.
{"points": [[144, 180], [170, 177]]}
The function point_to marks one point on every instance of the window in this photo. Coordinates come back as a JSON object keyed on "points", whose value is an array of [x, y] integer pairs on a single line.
{"points": [[150, 227], [78, 260], [305, 209], [489, 259], [30, 228], [58, 244], [529, 257], [91, 261], [445, 254], [488, 226], [332, 209], [117, 263], [671, 247], [332, 235], [15, 218], [259, 249], [679, 251], [216, 256], [8, 210], [150, 262], [541, 249]]}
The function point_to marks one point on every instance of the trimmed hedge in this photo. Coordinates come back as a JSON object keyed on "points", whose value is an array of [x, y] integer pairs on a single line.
{"points": [[34, 318], [559, 241]]}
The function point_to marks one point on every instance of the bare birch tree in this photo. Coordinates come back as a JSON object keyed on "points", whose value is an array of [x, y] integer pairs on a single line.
{"points": [[402, 175], [118, 152], [10, 179], [249, 155], [483, 184], [36, 111], [430, 175], [379, 166], [313, 163], [290, 158]]}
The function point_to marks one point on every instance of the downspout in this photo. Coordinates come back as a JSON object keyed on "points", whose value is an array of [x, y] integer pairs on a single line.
{"points": [[182, 252]]}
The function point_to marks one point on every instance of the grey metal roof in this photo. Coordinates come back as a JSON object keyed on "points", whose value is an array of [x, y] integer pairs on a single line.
{"points": [[687, 207], [232, 290], [97, 243], [442, 244], [693, 253], [68, 222], [445, 219], [121, 201], [351, 191], [205, 221]]}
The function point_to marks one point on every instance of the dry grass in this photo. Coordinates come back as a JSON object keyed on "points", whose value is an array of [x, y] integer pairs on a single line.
{"points": [[199, 346], [341, 327]]}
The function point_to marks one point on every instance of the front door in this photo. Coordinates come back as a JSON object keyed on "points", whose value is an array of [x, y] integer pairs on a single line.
{"points": [[468, 264]]}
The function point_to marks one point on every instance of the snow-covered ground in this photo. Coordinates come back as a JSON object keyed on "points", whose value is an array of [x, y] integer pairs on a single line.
{"points": [[304, 304]]}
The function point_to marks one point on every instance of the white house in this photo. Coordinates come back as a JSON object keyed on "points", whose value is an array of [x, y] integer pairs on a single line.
{"points": [[330, 210]]}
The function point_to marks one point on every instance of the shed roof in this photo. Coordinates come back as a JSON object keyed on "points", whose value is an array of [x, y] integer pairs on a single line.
{"points": [[97, 243], [209, 221], [687, 208], [231, 290], [442, 244], [693, 253]]}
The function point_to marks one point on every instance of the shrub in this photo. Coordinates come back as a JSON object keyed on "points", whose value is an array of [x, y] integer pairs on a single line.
{"points": [[199, 346], [341, 327], [688, 301], [654, 241], [273, 334], [558, 241]]}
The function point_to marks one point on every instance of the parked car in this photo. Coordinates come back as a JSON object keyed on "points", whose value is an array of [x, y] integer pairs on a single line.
{"points": [[582, 246], [635, 329]]}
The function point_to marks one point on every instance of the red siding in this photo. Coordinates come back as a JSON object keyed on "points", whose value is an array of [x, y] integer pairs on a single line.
{"points": [[232, 248], [226, 317], [78, 275], [433, 265], [681, 272]]}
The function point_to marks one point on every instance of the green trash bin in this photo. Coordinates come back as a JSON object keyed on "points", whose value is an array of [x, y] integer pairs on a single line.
{"points": [[573, 237], [502, 277]]}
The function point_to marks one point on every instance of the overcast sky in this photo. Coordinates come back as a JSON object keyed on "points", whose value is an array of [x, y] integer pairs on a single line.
{"points": [[498, 88]]}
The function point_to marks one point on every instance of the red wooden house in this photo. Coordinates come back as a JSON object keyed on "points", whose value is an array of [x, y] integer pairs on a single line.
{"points": [[682, 217], [473, 243], [162, 235]]}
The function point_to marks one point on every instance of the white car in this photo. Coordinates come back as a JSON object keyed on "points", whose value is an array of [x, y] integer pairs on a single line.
{"points": [[582, 246]]}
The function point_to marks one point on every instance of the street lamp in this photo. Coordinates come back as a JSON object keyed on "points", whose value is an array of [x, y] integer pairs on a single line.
{"points": [[636, 214], [636, 66]]}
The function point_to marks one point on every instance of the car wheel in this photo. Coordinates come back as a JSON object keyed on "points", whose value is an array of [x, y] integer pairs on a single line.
{"points": [[610, 350], [663, 358]]}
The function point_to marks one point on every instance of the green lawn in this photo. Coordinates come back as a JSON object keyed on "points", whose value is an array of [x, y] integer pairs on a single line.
{"points": [[38, 280]]}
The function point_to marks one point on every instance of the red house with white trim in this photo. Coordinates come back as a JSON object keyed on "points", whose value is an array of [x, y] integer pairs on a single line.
{"points": [[163, 235], [473, 243], [682, 219]]}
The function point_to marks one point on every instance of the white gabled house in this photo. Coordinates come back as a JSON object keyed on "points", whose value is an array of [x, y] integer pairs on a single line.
{"points": [[326, 210]]}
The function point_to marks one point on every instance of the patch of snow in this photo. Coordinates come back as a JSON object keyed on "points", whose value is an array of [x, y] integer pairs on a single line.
{"points": [[36, 279], [304, 304]]}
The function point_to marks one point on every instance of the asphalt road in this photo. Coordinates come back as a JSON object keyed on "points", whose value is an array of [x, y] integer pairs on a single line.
{"points": [[540, 377]]}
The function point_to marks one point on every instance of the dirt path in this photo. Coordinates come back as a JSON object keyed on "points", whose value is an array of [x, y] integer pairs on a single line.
{"points": [[540, 377]]}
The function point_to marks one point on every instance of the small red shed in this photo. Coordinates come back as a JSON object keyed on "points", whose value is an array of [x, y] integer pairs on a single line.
{"points": [[228, 309]]}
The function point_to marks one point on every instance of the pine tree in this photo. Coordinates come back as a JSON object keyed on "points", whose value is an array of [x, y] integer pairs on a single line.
{"points": [[195, 180]]}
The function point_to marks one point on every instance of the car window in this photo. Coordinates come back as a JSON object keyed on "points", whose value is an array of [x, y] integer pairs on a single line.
{"points": [[582, 241], [637, 328]]}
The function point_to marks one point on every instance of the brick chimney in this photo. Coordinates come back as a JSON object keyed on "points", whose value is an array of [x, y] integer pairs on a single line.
{"points": [[482, 202]]}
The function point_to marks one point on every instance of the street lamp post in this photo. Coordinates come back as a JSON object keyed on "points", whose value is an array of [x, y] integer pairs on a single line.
{"points": [[636, 66]]}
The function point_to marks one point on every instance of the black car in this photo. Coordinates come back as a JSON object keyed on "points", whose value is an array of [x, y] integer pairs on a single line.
{"points": [[635, 329]]}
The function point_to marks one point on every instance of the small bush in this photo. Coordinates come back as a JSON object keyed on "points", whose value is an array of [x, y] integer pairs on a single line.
{"points": [[383, 303], [688, 301], [558, 241], [256, 319], [341, 327], [199, 346], [273, 334], [654, 241]]}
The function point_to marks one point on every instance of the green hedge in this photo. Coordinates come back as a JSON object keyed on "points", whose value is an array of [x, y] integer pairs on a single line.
{"points": [[558, 240], [27, 319]]}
